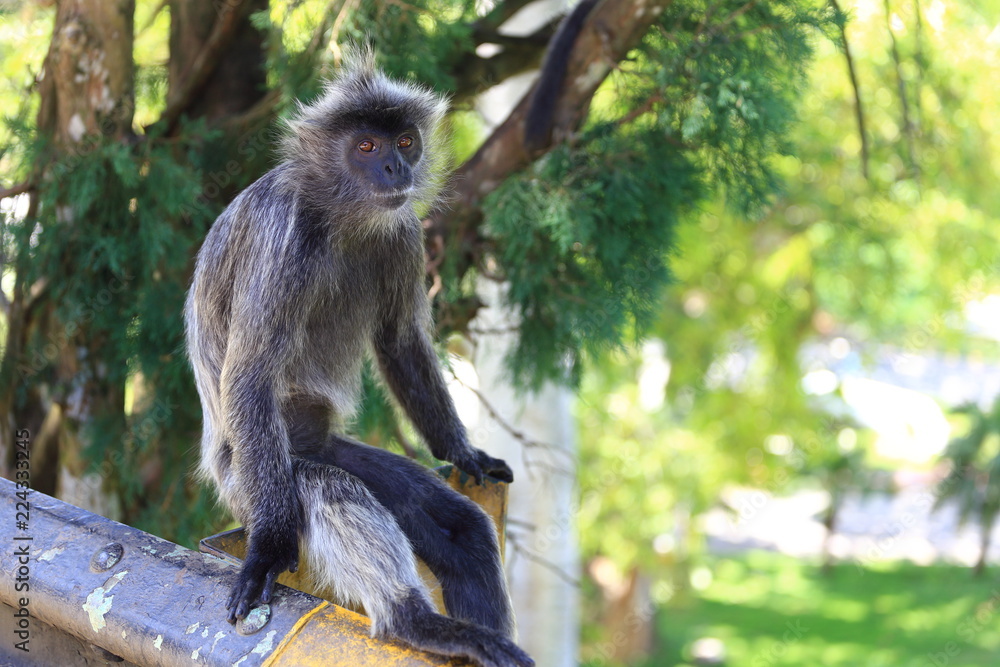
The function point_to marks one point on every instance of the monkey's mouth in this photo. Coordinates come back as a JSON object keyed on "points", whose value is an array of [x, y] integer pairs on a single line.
{"points": [[392, 200]]}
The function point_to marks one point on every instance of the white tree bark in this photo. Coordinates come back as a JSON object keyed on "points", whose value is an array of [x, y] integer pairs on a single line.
{"points": [[542, 555], [541, 552]]}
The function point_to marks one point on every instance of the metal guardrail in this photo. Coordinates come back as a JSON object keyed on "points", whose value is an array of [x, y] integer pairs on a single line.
{"points": [[80, 589]]}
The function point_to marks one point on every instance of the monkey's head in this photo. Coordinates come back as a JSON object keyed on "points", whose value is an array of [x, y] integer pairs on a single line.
{"points": [[368, 144]]}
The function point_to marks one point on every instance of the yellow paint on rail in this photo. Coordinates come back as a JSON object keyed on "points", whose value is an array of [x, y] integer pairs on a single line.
{"points": [[331, 636]]}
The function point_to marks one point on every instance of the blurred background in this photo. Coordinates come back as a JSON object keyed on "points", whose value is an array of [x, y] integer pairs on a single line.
{"points": [[736, 323]]}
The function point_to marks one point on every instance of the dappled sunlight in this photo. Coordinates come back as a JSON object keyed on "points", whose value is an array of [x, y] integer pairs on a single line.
{"points": [[871, 528], [910, 426], [763, 521]]}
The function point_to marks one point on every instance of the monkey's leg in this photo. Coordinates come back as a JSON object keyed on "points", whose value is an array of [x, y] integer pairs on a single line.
{"points": [[451, 533], [355, 546]]}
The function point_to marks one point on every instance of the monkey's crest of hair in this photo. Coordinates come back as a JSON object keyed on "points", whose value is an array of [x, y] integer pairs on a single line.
{"points": [[360, 94]]}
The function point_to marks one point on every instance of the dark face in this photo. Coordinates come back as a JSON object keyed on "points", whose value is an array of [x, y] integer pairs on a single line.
{"points": [[384, 162]]}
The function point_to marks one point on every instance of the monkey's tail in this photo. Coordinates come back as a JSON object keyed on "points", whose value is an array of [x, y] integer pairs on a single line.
{"points": [[353, 545], [538, 121]]}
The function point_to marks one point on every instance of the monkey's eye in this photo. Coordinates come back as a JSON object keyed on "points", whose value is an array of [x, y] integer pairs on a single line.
{"points": [[366, 146], [405, 142]]}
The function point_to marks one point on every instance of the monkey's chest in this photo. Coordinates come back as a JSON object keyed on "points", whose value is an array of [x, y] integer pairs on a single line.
{"points": [[330, 353]]}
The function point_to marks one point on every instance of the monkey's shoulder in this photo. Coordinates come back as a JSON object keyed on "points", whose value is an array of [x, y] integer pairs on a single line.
{"points": [[268, 219]]}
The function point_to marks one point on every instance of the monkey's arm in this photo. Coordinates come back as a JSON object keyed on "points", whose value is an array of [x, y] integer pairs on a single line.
{"points": [[262, 463], [410, 367]]}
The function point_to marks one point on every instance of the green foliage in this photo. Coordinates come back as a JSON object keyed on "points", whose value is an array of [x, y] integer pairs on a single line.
{"points": [[772, 609], [889, 263], [974, 456], [120, 289], [584, 234], [582, 238], [442, 29], [729, 75], [298, 59]]}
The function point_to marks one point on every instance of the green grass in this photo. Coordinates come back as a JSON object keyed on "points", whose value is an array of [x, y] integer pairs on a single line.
{"points": [[771, 610]]}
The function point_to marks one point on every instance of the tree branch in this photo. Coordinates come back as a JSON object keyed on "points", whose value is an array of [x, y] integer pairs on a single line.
{"points": [[908, 127], [526, 441], [858, 109], [152, 17], [499, 15], [520, 54], [612, 28], [521, 550], [204, 65], [15, 190]]}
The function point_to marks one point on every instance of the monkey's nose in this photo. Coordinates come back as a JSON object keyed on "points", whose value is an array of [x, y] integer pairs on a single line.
{"points": [[395, 174]]}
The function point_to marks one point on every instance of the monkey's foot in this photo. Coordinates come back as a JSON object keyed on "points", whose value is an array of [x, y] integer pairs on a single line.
{"points": [[261, 568]]}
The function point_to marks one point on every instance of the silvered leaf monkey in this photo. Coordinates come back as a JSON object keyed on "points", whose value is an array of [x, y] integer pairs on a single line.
{"points": [[309, 270]]}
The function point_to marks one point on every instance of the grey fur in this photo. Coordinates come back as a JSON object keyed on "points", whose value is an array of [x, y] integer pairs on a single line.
{"points": [[311, 268]]}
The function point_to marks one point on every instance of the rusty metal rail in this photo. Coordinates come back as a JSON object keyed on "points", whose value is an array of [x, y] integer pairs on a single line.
{"points": [[97, 592]]}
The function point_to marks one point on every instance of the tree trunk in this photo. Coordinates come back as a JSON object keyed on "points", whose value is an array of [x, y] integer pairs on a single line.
{"points": [[830, 523], [986, 537], [86, 96], [88, 87], [542, 555], [216, 67]]}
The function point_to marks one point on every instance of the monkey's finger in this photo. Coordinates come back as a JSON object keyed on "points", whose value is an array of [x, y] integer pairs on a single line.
{"points": [[244, 593], [238, 606], [272, 574], [503, 473], [472, 468], [478, 474], [498, 468]]}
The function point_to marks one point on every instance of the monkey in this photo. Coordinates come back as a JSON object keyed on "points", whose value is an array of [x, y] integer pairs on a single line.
{"points": [[538, 119], [310, 270]]}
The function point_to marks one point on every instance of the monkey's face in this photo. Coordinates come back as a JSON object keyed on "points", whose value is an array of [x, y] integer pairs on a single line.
{"points": [[384, 162]]}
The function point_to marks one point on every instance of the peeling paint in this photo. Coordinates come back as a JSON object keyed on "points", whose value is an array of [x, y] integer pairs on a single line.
{"points": [[192, 628], [262, 647], [265, 644], [178, 551], [158, 643], [51, 553], [218, 635], [97, 605], [194, 654], [151, 550], [204, 633]]}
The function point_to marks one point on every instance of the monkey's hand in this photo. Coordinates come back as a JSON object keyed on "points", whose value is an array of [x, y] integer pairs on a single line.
{"points": [[268, 555], [478, 463]]}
